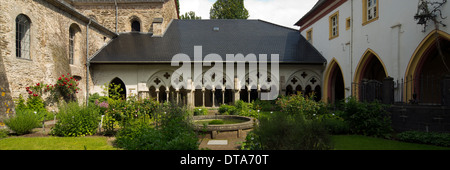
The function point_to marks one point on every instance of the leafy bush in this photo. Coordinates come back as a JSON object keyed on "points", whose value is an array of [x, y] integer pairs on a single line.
{"points": [[299, 105], [200, 111], [172, 131], [227, 110], [3, 133], [369, 119], [265, 105], [283, 131], [23, 122], [75, 120], [431, 138], [245, 109]]}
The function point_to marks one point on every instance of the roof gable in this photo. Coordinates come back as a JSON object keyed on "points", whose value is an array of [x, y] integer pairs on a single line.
{"points": [[232, 37]]}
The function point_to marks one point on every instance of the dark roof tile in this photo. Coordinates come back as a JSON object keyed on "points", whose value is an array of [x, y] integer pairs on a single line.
{"points": [[233, 37]]}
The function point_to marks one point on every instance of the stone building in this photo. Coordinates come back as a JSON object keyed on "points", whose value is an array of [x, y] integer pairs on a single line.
{"points": [[134, 42], [42, 39], [369, 40]]}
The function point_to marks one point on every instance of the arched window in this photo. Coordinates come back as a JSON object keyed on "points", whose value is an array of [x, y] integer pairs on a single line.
{"points": [[71, 44], [74, 44], [23, 24], [135, 26]]}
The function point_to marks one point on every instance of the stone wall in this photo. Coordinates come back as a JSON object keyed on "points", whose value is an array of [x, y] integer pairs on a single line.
{"points": [[49, 37], [145, 12]]}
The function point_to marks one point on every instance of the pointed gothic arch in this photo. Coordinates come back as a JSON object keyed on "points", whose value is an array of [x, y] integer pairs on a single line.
{"points": [[370, 69], [423, 63], [334, 83]]}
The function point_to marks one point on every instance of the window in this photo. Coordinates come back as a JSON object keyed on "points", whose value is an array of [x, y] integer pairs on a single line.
{"points": [[370, 11], [309, 35], [135, 26], [334, 25], [71, 44], [348, 23], [23, 24]]}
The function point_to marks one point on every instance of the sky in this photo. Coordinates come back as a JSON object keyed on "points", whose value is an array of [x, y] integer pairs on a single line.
{"points": [[281, 12]]}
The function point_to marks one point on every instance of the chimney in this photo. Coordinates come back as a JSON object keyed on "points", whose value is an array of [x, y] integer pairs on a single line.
{"points": [[157, 28]]}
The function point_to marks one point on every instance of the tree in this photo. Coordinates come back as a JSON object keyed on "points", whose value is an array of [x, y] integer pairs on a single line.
{"points": [[228, 9], [190, 16]]}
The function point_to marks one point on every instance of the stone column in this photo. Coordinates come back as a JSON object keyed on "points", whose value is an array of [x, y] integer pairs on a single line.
{"points": [[213, 97], [178, 92], [167, 95], [249, 95], [203, 96], [157, 95], [223, 96]]}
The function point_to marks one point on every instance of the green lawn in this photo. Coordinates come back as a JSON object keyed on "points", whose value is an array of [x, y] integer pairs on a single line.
{"points": [[355, 142], [55, 143], [341, 142]]}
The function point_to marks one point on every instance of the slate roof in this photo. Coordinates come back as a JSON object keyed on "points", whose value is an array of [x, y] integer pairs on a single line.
{"points": [[233, 37], [317, 5], [112, 1]]}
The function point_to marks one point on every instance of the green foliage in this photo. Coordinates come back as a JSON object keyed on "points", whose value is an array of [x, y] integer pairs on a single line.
{"points": [[172, 131], [369, 119], [299, 105], [23, 122], [3, 133], [227, 110], [190, 16], [299, 126], [200, 111], [283, 131], [251, 142], [228, 9], [431, 138], [265, 105], [245, 109], [75, 120]]}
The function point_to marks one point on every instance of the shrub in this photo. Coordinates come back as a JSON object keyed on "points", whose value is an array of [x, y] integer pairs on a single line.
{"points": [[75, 120], [4, 133], [245, 109], [430, 138], [200, 111], [369, 119], [227, 110], [23, 122], [172, 132], [283, 131], [299, 105]]}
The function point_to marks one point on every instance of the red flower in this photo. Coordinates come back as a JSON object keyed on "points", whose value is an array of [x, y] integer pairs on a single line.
{"points": [[68, 74], [37, 84], [59, 78], [63, 75], [30, 92]]}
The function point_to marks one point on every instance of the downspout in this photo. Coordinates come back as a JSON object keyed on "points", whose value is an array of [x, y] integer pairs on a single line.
{"points": [[351, 50], [117, 14], [87, 62]]}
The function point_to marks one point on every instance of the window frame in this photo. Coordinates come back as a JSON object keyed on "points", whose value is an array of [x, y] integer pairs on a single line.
{"points": [[375, 8], [23, 37], [348, 23], [309, 36], [332, 26], [72, 35]]}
